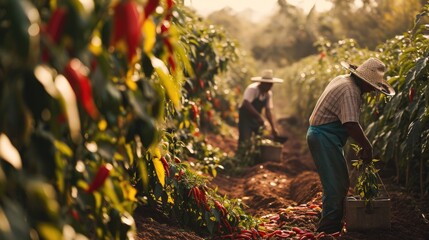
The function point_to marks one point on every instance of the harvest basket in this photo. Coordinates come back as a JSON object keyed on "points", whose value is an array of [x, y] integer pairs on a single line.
{"points": [[360, 216], [271, 152], [366, 215]]}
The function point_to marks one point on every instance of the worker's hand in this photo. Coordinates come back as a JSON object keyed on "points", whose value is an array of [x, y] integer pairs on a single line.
{"points": [[366, 154]]}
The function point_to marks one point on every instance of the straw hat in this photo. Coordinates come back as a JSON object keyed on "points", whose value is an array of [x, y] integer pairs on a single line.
{"points": [[267, 76], [372, 71]]}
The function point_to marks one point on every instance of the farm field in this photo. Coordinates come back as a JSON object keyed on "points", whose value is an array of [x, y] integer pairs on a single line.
{"points": [[270, 188]]}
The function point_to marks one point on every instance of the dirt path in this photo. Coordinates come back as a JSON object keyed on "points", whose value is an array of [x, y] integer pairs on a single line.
{"points": [[271, 187]]}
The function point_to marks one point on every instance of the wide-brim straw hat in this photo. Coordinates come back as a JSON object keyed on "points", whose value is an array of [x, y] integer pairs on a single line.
{"points": [[372, 71], [267, 76]]}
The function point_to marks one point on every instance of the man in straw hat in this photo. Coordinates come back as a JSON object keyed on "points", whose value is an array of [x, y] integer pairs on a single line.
{"points": [[256, 97], [335, 118]]}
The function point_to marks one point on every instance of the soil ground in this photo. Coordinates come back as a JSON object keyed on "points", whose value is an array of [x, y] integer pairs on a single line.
{"points": [[286, 189]]}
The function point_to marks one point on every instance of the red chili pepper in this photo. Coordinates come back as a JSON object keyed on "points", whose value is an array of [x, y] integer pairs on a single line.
{"points": [[308, 235], [267, 236], [203, 199], [255, 234], [169, 45], [201, 81], [411, 94], [195, 111], [164, 161], [227, 225], [56, 24], [179, 175], [320, 235], [298, 230], [170, 4], [133, 28], [75, 215], [216, 103], [118, 24], [171, 62], [150, 7], [177, 160], [221, 208], [102, 174], [209, 115], [127, 24], [165, 26], [166, 166], [75, 74], [54, 28], [197, 195], [262, 233]]}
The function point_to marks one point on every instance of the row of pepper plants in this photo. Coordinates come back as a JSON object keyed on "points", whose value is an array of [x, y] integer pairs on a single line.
{"points": [[100, 107], [397, 126]]}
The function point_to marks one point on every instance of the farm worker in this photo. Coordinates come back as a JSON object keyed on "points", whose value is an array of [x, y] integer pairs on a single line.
{"points": [[257, 96], [335, 118]]}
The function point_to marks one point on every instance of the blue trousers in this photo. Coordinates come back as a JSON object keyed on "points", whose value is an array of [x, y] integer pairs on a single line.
{"points": [[326, 144]]}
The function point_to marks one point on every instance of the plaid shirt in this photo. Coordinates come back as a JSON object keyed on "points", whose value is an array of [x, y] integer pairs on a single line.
{"points": [[340, 101]]}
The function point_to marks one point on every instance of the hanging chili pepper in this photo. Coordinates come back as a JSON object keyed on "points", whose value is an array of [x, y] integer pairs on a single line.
{"points": [[201, 82], [54, 29], [170, 50], [170, 4], [165, 26], [75, 74], [411, 94], [56, 23], [179, 175], [75, 215], [171, 63], [221, 208], [203, 198], [133, 27], [195, 111], [166, 166], [169, 45], [102, 174], [209, 115], [118, 24], [127, 26], [150, 7], [196, 195]]}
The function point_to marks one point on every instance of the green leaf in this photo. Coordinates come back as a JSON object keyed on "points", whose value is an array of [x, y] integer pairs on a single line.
{"points": [[214, 172], [413, 136], [159, 168], [63, 148], [49, 231], [171, 87], [144, 173]]}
